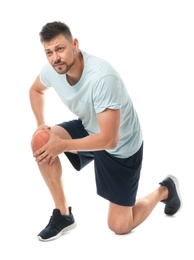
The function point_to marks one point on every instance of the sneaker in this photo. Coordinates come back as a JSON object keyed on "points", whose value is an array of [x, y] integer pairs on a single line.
{"points": [[173, 202], [57, 226]]}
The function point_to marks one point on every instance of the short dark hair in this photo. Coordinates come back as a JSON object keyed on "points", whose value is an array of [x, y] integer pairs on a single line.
{"points": [[53, 29]]}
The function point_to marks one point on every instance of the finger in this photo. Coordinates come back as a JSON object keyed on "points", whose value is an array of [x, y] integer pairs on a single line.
{"points": [[42, 157], [39, 152]]}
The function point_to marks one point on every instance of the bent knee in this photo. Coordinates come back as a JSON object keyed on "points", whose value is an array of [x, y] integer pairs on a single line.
{"points": [[39, 139], [120, 219], [119, 227]]}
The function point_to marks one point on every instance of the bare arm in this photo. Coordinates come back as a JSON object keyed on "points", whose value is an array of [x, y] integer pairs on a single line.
{"points": [[36, 94], [107, 138]]}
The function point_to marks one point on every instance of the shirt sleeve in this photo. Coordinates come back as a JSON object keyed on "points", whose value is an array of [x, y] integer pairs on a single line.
{"points": [[44, 78], [107, 94]]}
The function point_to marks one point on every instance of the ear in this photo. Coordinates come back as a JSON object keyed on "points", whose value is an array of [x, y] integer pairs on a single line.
{"points": [[75, 44]]}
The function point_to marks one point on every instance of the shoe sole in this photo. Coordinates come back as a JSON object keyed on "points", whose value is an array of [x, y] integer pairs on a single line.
{"points": [[176, 182], [62, 232]]}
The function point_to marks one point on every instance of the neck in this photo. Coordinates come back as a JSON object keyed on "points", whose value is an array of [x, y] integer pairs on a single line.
{"points": [[74, 75]]}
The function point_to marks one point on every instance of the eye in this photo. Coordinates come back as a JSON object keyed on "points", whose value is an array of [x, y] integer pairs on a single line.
{"points": [[60, 49], [48, 53]]}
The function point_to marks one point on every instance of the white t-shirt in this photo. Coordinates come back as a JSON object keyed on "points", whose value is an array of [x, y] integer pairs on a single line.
{"points": [[99, 87]]}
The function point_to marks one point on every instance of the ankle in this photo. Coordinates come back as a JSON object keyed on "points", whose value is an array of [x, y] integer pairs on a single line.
{"points": [[64, 211], [163, 192]]}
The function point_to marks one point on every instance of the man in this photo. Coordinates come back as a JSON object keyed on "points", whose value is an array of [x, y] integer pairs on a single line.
{"points": [[106, 131]]}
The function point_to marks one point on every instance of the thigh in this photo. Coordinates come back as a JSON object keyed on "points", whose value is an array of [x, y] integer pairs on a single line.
{"points": [[70, 129], [73, 130], [117, 179], [61, 132]]}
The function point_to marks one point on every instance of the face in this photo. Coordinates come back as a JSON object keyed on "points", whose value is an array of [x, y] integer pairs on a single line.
{"points": [[61, 53]]}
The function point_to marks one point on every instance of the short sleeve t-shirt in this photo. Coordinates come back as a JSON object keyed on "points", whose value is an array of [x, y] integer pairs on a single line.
{"points": [[100, 87]]}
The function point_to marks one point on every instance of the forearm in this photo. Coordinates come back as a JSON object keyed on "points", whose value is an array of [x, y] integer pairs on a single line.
{"points": [[37, 105], [93, 142], [107, 138]]}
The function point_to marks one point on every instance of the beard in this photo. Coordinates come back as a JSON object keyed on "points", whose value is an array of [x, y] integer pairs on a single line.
{"points": [[60, 69]]}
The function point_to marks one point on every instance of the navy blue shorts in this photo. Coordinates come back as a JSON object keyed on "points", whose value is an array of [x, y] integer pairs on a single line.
{"points": [[117, 179]]}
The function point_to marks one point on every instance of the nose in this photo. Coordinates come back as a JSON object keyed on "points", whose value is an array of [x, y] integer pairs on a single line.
{"points": [[56, 57]]}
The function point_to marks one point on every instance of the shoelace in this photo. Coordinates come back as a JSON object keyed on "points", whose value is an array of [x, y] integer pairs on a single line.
{"points": [[53, 221]]}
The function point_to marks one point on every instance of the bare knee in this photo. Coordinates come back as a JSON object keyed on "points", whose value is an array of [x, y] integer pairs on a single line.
{"points": [[41, 137], [120, 219], [119, 226]]}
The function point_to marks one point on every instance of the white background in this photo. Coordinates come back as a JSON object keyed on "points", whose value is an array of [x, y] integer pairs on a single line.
{"points": [[150, 43]]}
